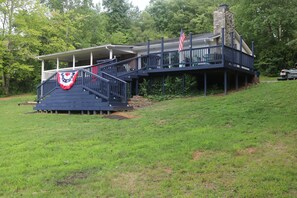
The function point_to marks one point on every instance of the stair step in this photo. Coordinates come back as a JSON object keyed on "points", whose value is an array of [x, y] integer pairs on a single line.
{"points": [[77, 98]]}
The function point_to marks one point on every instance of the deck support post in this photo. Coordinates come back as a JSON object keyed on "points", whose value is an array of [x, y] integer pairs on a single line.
{"points": [[163, 85], [236, 81], [94, 112], [225, 82], [73, 62], [69, 112], [184, 84], [136, 87], [205, 83], [162, 52], [82, 112], [130, 88]]}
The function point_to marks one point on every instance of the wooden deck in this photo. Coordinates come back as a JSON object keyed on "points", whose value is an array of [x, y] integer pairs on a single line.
{"points": [[107, 89]]}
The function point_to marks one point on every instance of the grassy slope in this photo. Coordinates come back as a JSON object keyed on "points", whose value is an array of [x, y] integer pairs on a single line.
{"points": [[243, 145]]}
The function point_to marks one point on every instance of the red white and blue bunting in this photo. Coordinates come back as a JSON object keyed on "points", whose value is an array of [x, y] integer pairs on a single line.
{"points": [[67, 79]]}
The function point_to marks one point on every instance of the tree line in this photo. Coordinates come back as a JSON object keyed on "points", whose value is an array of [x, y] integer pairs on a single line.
{"points": [[29, 28]]}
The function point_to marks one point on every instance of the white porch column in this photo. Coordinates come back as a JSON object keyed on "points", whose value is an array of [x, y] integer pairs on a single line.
{"points": [[110, 53], [42, 70], [139, 62], [180, 59], [169, 60], [91, 58], [58, 64], [73, 62]]}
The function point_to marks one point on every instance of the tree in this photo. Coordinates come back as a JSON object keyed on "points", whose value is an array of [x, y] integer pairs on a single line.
{"points": [[65, 5], [13, 59], [190, 15], [271, 23], [117, 12]]}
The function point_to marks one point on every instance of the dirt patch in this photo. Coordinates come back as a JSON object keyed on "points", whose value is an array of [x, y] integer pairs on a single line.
{"points": [[168, 170], [28, 103], [11, 97], [161, 122], [127, 181], [251, 150], [72, 179], [137, 183], [138, 102], [209, 186], [197, 155], [247, 151], [120, 116]]}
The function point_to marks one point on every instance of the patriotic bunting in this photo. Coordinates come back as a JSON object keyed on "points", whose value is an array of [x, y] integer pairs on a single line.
{"points": [[67, 79]]}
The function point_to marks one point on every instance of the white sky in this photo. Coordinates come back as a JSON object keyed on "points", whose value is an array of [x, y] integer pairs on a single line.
{"points": [[141, 4]]}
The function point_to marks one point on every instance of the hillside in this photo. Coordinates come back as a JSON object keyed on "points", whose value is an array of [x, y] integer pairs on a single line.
{"points": [[239, 145]]}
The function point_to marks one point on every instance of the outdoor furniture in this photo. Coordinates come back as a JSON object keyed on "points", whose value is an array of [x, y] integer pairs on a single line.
{"points": [[214, 58]]}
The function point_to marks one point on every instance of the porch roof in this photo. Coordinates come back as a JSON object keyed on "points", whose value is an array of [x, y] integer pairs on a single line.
{"points": [[99, 52]]}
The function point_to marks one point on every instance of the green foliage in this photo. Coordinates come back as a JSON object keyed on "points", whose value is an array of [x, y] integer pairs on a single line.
{"points": [[271, 24], [143, 88], [117, 12], [239, 145], [174, 86]]}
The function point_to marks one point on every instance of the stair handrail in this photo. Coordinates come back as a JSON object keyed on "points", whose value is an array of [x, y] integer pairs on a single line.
{"points": [[102, 69], [100, 86], [102, 62], [132, 72], [40, 90], [118, 87]]}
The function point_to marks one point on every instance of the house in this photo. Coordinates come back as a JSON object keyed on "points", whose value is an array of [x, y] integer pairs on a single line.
{"points": [[101, 78]]}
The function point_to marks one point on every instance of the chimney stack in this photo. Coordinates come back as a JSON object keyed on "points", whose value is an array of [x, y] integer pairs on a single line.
{"points": [[223, 18]]}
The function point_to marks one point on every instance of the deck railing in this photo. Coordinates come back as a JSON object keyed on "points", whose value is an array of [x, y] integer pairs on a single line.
{"points": [[121, 67], [46, 87], [184, 58], [212, 55], [105, 86], [237, 58], [118, 87], [95, 84]]}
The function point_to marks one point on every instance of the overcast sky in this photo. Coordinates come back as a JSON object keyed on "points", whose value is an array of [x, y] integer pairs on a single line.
{"points": [[141, 4]]}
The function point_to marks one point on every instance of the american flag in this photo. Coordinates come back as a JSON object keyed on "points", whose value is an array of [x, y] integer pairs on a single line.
{"points": [[181, 40]]}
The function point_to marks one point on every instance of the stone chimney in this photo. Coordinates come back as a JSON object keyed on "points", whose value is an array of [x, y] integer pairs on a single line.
{"points": [[223, 18]]}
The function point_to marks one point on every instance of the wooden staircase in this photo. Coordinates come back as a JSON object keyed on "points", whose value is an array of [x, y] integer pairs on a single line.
{"points": [[104, 91]]}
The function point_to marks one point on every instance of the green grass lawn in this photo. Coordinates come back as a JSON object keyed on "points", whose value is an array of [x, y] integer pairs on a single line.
{"points": [[239, 145], [268, 78]]}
